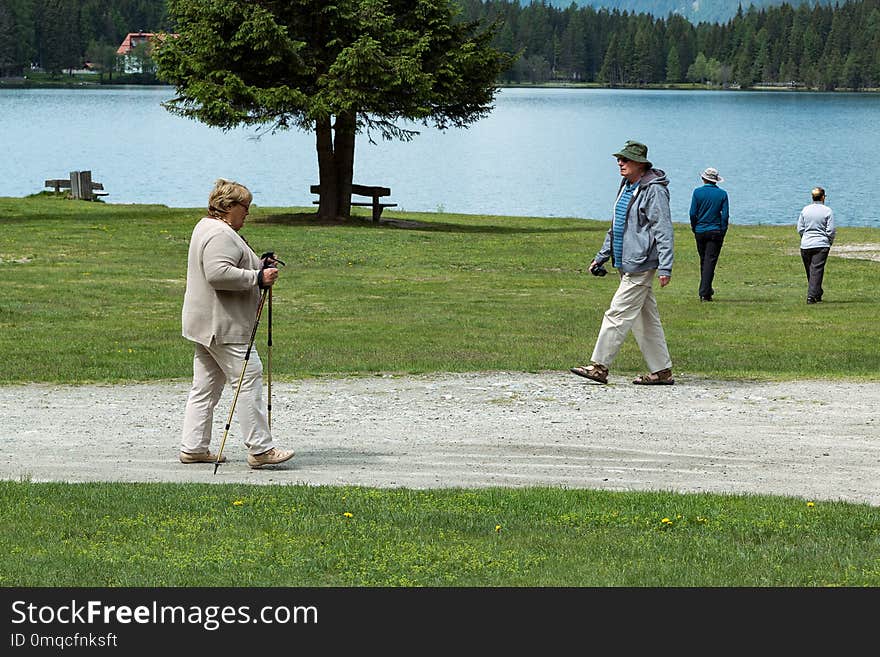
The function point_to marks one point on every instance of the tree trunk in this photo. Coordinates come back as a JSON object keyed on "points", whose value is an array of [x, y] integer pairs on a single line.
{"points": [[335, 145], [343, 143], [327, 207]]}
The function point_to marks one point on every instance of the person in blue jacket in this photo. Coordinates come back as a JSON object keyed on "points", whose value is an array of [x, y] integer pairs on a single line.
{"points": [[709, 215]]}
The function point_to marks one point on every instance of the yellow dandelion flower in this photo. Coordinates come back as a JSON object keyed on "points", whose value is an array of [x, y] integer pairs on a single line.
{"points": [[348, 515], [811, 504], [238, 503], [497, 528], [666, 521]]}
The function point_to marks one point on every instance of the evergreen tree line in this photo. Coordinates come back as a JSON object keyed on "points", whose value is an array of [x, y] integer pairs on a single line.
{"points": [[58, 35], [822, 47]]}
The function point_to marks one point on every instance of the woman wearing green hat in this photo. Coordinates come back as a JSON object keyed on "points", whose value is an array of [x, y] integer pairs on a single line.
{"points": [[639, 244]]}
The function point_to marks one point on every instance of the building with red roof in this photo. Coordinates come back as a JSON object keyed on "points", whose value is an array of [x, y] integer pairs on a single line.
{"points": [[132, 40], [131, 62]]}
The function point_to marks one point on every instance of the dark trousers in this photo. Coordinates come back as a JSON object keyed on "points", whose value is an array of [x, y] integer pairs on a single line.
{"points": [[814, 265], [709, 247]]}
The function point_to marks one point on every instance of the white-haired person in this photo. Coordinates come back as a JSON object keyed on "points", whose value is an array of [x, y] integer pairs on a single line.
{"points": [[815, 225], [224, 279]]}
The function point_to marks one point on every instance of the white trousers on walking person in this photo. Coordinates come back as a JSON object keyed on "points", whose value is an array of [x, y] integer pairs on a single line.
{"points": [[212, 367], [633, 308]]}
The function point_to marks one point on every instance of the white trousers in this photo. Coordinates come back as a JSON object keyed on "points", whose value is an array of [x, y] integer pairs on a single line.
{"points": [[634, 308], [212, 367]]}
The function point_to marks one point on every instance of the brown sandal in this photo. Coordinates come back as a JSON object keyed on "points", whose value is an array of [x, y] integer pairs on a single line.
{"points": [[660, 378], [593, 371]]}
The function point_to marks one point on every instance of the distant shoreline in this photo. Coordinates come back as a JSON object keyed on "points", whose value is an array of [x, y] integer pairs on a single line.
{"points": [[78, 83], [683, 86]]}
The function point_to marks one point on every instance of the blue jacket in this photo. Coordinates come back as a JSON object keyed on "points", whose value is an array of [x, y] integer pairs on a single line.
{"points": [[709, 209]]}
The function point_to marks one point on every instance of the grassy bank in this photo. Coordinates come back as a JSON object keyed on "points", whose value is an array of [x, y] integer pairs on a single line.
{"points": [[92, 292], [235, 535]]}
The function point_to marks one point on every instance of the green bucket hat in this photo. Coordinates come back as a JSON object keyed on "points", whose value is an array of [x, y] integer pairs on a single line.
{"points": [[634, 151]]}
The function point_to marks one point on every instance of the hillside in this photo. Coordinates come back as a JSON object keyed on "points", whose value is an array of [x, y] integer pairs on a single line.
{"points": [[696, 11]]}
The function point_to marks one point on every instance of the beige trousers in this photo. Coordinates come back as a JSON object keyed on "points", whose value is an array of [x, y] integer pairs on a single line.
{"points": [[633, 307], [212, 367]]}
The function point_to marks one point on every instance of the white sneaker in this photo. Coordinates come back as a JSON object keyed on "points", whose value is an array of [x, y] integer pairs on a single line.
{"points": [[200, 457], [272, 457]]}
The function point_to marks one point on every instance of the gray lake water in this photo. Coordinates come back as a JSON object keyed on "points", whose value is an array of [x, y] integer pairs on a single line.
{"points": [[541, 152]]}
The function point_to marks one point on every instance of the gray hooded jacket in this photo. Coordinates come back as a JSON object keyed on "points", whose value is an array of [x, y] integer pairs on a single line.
{"points": [[647, 234]]}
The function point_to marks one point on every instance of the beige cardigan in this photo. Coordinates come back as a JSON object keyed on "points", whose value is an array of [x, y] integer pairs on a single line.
{"points": [[222, 296]]}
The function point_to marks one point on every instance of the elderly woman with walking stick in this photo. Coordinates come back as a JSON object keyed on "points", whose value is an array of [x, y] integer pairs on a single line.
{"points": [[226, 285]]}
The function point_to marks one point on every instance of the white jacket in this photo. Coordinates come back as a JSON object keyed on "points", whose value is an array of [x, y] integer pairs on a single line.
{"points": [[222, 295], [815, 225]]}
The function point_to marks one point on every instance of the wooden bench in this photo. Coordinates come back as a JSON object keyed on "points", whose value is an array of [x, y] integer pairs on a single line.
{"points": [[80, 185], [375, 193]]}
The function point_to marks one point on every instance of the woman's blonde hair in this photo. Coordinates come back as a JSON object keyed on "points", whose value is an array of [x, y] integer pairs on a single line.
{"points": [[225, 194]]}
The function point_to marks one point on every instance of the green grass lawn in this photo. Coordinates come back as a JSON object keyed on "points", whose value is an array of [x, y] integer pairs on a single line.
{"points": [[236, 535], [93, 291]]}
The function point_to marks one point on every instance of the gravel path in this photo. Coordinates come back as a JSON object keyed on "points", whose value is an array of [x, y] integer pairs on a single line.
{"points": [[810, 439]]}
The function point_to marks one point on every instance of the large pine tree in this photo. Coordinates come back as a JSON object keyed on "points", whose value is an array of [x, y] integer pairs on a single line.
{"points": [[331, 69]]}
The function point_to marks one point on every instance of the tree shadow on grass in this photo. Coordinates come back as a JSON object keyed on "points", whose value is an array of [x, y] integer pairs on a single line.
{"points": [[401, 223]]}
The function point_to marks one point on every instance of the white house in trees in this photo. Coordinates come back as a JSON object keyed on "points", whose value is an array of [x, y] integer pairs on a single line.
{"points": [[132, 57]]}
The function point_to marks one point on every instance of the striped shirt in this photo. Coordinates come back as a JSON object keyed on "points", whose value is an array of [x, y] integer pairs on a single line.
{"points": [[623, 200]]}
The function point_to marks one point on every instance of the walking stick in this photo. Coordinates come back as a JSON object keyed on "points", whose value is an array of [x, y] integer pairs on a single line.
{"points": [[247, 356], [269, 362], [273, 260]]}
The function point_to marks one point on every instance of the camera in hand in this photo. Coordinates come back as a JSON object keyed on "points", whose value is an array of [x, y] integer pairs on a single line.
{"points": [[598, 270]]}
